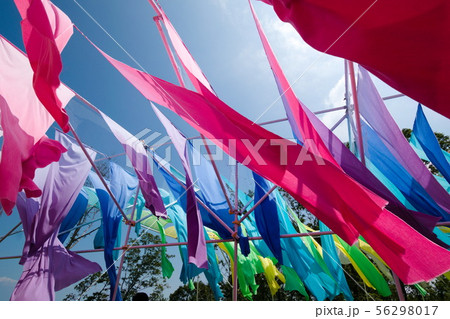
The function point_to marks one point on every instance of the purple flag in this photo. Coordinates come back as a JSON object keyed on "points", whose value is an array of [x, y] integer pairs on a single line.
{"points": [[48, 266], [376, 114], [138, 156], [196, 237]]}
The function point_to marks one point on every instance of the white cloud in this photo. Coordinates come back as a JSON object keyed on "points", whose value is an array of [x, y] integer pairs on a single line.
{"points": [[7, 281]]}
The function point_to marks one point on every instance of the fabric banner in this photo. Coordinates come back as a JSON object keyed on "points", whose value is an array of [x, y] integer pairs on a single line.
{"points": [[365, 216], [306, 126], [24, 122], [75, 213], [196, 239], [406, 48], [123, 187], [48, 266], [424, 134], [266, 217], [376, 114], [138, 156], [379, 156], [46, 31]]}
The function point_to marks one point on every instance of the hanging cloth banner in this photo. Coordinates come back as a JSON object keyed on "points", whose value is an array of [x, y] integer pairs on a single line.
{"points": [[377, 115], [379, 156], [306, 126], [266, 217], [76, 212], [191, 67], [415, 42], [196, 238], [24, 122], [167, 267], [306, 182], [138, 156], [46, 31], [48, 266], [424, 134], [123, 187]]}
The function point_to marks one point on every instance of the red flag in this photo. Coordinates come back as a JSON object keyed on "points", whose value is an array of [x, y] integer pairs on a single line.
{"points": [[406, 43], [45, 31]]}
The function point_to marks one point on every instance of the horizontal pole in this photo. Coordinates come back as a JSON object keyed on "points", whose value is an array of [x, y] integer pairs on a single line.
{"points": [[212, 241]]}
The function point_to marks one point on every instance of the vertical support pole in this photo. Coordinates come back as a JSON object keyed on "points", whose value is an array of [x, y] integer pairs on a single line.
{"points": [[399, 287], [131, 223], [97, 171], [236, 225], [177, 72], [157, 20], [357, 116], [397, 282], [349, 110]]}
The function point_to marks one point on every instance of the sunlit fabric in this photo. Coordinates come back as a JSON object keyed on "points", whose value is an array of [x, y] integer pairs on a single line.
{"points": [[293, 281], [24, 122], [379, 155], [309, 269], [271, 273], [123, 187], [307, 127], [366, 269], [307, 182], [212, 195], [424, 134], [331, 258], [193, 71], [196, 238], [75, 213], [166, 265], [138, 157], [178, 218], [404, 43], [266, 217], [46, 31], [48, 266], [377, 115]]}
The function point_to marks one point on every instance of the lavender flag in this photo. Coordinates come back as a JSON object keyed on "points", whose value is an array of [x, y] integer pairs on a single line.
{"points": [[196, 237]]}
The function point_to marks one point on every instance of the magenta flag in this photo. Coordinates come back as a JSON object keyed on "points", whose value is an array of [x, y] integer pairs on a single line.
{"points": [[45, 31], [307, 126], [374, 111], [196, 235], [191, 67], [320, 186], [24, 121], [138, 156], [48, 266], [405, 43]]}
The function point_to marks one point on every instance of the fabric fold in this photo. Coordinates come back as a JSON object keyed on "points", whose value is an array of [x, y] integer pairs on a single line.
{"points": [[405, 43], [46, 31], [48, 266], [196, 238]]}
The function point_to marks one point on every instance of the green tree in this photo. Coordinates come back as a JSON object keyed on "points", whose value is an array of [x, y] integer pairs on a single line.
{"points": [[141, 272], [201, 292]]}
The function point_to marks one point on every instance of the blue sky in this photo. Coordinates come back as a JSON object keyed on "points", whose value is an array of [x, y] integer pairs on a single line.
{"points": [[222, 38]]}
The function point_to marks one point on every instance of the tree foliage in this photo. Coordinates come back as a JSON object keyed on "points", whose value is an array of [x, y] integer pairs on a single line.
{"points": [[141, 272]]}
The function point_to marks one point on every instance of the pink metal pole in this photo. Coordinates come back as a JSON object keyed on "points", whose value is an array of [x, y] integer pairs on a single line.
{"points": [[131, 223], [10, 232], [357, 116], [157, 20], [97, 171]]}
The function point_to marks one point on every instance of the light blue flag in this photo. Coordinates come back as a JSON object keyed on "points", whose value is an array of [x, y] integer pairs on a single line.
{"points": [[122, 185], [333, 263], [381, 157]]}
